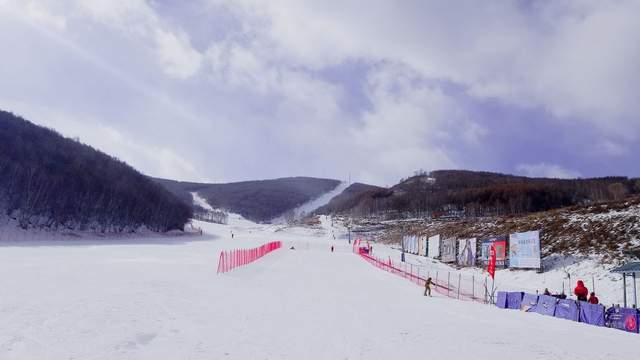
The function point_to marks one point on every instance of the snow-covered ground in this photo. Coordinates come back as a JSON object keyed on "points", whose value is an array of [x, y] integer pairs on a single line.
{"points": [[608, 286], [162, 299]]}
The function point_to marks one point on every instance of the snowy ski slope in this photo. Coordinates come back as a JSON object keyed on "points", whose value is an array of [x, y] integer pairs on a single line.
{"points": [[161, 299]]}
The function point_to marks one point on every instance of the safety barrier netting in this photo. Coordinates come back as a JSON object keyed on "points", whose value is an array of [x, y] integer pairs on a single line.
{"points": [[414, 274], [232, 259]]}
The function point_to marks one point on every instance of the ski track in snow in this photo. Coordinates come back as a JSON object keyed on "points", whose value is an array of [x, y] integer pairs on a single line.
{"points": [[314, 204], [152, 300], [200, 201]]}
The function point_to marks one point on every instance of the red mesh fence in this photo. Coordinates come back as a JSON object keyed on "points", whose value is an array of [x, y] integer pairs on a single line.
{"points": [[445, 284], [232, 259]]}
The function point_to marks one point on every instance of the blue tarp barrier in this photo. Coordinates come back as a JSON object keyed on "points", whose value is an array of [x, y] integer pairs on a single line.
{"points": [[567, 309], [622, 319], [529, 301], [546, 305], [591, 313], [514, 299], [501, 300]]}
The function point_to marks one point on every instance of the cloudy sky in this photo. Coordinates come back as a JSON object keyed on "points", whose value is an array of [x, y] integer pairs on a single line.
{"points": [[212, 90]]}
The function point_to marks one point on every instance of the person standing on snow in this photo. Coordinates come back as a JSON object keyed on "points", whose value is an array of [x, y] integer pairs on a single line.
{"points": [[581, 291], [427, 287], [331, 248], [593, 299]]}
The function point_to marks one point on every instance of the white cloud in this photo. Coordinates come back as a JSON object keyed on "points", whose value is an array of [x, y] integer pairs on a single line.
{"points": [[177, 56], [252, 70], [41, 15], [546, 170], [325, 88], [610, 148], [407, 128], [577, 60]]}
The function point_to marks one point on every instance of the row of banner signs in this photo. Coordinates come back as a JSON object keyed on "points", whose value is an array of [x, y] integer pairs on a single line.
{"points": [[519, 250]]}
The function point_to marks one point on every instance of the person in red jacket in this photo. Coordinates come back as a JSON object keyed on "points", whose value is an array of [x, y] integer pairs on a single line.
{"points": [[581, 291], [593, 299]]}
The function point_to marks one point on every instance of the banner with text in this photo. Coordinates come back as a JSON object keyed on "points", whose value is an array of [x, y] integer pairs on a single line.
{"points": [[524, 250]]}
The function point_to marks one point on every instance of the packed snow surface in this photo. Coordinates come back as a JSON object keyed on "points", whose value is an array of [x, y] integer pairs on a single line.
{"points": [[160, 298]]}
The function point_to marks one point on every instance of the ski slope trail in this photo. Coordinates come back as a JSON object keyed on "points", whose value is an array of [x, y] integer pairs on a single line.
{"points": [[153, 299], [313, 204]]}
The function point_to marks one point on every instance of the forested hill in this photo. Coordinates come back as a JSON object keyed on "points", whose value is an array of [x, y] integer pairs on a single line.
{"points": [[260, 200], [461, 193], [47, 180], [349, 198]]}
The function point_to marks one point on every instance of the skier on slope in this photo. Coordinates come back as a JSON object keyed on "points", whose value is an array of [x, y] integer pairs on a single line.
{"points": [[427, 287], [581, 291]]}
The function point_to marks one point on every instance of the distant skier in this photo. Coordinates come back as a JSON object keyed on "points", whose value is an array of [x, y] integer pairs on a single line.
{"points": [[331, 248], [232, 234], [427, 287], [581, 291]]}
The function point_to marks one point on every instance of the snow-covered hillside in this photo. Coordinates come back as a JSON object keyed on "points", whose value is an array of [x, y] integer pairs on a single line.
{"points": [[162, 299], [314, 204], [606, 232], [200, 201]]}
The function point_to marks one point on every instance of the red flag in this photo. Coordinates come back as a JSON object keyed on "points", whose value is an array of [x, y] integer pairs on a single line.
{"points": [[491, 268]]}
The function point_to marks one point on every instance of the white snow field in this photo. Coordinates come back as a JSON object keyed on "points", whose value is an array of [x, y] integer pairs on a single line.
{"points": [[162, 299]]}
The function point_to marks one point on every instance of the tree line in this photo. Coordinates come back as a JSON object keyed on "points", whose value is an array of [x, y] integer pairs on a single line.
{"points": [[47, 180], [458, 193]]}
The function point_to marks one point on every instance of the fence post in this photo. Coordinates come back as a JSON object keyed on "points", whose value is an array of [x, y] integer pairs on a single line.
{"points": [[448, 282], [473, 287], [485, 290], [220, 262], [459, 280]]}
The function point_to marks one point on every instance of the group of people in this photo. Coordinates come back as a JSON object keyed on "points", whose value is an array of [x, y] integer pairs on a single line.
{"points": [[580, 292]]}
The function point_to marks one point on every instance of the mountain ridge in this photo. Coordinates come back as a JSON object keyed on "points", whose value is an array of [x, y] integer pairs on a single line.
{"points": [[256, 200], [481, 193]]}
